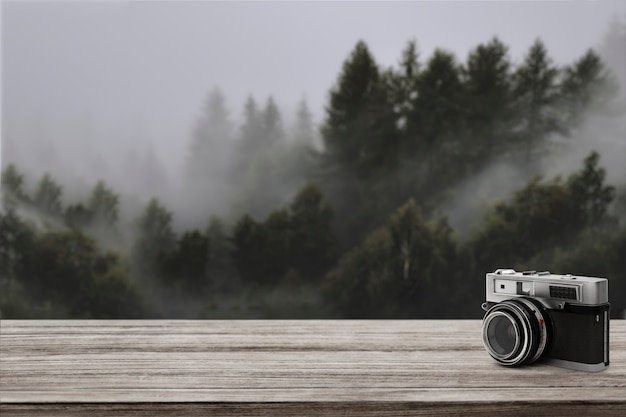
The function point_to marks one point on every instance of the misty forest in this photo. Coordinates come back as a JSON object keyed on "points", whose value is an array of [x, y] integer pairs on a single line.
{"points": [[418, 180]]}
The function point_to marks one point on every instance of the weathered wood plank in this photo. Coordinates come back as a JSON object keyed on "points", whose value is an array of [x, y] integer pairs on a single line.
{"points": [[347, 409], [369, 367]]}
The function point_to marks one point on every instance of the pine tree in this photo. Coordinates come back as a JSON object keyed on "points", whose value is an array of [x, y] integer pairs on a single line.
{"points": [[155, 238], [248, 144], [361, 142], [277, 247], [77, 216], [590, 193], [16, 237], [587, 86], [489, 94], [402, 86], [313, 247], [442, 150], [48, 196], [248, 250], [304, 129], [209, 169], [354, 132], [103, 203], [13, 188], [252, 127], [187, 265], [273, 132], [612, 51], [404, 95], [220, 245], [219, 262], [209, 152], [536, 97], [440, 98]]}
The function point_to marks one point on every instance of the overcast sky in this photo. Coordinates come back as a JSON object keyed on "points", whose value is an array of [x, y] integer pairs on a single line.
{"points": [[122, 70]]}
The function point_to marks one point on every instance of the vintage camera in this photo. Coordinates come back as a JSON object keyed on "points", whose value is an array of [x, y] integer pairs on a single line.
{"points": [[561, 320]]}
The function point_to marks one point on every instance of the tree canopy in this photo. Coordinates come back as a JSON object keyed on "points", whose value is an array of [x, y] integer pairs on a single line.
{"points": [[278, 217]]}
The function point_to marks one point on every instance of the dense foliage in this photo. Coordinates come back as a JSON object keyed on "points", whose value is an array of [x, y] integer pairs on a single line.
{"points": [[351, 226]]}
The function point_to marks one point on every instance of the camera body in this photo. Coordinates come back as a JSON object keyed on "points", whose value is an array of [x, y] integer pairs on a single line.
{"points": [[561, 320]]}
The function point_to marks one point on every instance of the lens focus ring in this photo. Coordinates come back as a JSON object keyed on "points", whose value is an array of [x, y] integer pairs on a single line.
{"points": [[502, 335], [514, 331]]}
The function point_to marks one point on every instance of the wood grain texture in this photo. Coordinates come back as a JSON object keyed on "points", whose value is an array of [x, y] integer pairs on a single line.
{"points": [[286, 367]]}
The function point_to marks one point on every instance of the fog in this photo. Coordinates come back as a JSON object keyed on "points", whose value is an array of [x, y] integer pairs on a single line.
{"points": [[113, 90], [223, 110], [499, 180]]}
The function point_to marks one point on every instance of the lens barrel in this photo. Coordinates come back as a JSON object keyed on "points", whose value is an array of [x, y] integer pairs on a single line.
{"points": [[515, 331]]}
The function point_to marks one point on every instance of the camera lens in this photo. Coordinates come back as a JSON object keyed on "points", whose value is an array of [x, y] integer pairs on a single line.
{"points": [[515, 331], [502, 334]]}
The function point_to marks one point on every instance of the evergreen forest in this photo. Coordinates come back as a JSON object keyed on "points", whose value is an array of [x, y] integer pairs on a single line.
{"points": [[419, 179]]}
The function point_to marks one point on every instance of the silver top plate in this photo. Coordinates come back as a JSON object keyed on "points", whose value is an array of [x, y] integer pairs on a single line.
{"points": [[552, 290]]}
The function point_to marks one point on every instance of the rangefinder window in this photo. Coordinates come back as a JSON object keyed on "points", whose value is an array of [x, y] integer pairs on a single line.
{"points": [[565, 293]]}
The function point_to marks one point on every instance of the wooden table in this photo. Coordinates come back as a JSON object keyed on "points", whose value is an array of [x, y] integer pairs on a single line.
{"points": [[307, 367]]}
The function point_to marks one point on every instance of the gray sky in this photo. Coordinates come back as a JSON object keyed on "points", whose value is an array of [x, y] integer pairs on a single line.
{"points": [[113, 72]]}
